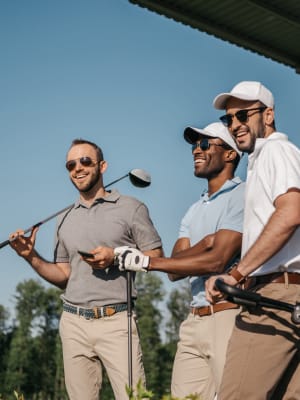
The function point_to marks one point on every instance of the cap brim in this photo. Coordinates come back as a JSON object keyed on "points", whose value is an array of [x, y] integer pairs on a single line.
{"points": [[191, 135], [220, 101]]}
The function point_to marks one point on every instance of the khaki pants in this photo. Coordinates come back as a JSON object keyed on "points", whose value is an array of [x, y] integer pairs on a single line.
{"points": [[263, 353], [200, 356], [90, 344]]}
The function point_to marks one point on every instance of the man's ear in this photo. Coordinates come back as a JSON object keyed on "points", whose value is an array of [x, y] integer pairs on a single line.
{"points": [[231, 155], [103, 166], [269, 116]]}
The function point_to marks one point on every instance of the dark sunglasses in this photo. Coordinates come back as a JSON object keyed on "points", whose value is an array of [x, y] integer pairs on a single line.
{"points": [[241, 115], [84, 161], [204, 145]]}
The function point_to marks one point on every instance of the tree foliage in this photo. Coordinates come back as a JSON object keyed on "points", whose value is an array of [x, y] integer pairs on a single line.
{"points": [[30, 347]]}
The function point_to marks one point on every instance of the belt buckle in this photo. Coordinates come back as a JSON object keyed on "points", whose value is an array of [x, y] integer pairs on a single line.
{"points": [[104, 311], [109, 311]]}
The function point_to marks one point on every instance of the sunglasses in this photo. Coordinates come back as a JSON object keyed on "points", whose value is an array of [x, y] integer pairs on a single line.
{"points": [[84, 161], [241, 115], [204, 145]]}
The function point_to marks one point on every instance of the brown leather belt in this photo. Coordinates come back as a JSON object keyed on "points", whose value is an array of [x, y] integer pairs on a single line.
{"points": [[209, 310], [277, 277]]}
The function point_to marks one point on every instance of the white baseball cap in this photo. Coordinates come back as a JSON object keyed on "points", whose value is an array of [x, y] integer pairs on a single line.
{"points": [[215, 130], [246, 90]]}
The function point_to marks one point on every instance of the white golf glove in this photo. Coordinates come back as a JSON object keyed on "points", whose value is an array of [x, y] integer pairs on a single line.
{"points": [[131, 259]]}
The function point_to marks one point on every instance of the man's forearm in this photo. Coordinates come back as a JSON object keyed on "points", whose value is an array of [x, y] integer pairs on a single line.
{"points": [[51, 272]]}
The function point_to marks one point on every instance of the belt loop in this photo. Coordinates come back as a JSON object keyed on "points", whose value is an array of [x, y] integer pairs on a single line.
{"points": [[102, 312], [286, 279], [77, 311], [95, 309]]}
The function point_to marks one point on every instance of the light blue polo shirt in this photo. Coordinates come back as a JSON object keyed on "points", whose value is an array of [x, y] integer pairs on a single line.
{"points": [[222, 210]]}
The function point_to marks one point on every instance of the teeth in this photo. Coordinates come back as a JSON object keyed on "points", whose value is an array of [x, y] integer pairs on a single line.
{"points": [[239, 134]]}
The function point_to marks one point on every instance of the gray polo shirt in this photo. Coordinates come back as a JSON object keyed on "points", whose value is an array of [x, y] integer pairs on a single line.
{"points": [[112, 221]]}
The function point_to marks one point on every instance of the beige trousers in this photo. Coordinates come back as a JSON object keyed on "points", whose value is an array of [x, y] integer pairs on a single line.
{"points": [[90, 345], [200, 356], [263, 353]]}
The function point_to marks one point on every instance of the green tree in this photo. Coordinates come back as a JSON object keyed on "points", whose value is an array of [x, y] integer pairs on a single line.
{"points": [[150, 294], [178, 308], [47, 346], [32, 360], [5, 338], [21, 354]]}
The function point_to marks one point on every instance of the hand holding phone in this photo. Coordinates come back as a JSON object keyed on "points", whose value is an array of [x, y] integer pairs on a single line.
{"points": [[85, 254]]}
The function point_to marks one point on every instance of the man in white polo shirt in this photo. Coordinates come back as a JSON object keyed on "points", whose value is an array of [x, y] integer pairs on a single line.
{"points": [[263, 352]]}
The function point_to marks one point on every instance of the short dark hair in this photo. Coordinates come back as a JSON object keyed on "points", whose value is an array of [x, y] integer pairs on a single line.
{"points": [[98, 149]]}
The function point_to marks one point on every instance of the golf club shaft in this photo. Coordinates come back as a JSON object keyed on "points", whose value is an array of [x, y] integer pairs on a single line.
{"points": [[6, 242], [129, 316]]}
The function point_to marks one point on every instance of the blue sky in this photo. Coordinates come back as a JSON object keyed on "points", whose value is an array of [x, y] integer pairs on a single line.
{"points": [[121, 76]]}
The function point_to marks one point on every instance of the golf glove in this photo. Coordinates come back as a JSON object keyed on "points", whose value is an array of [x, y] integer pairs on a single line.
{"points": [[131, 259]]}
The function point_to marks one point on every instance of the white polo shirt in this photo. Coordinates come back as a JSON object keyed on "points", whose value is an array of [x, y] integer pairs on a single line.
{"points": [[273, 169]]}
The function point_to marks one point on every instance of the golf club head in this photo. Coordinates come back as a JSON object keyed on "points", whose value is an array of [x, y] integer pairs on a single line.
{"points": [[139, 177]]}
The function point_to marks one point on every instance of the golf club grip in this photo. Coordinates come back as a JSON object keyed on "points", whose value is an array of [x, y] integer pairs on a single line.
{"points": [[251, 299], [233, 292], [5, 243]]}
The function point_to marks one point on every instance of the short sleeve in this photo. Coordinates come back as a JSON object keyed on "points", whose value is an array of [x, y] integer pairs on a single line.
{"points": [[281, 167], [144, 233]]}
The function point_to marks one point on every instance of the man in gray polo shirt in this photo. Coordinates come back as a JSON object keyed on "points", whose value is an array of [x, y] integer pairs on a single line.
{"points": [[94, 324], [209, 241]]}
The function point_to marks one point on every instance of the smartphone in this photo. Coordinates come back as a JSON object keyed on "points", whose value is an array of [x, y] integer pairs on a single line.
{"points": [[85, 254]]}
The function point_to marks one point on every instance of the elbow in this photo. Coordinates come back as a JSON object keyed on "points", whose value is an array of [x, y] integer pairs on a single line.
{"points": [[218, 266], [171, 278]]}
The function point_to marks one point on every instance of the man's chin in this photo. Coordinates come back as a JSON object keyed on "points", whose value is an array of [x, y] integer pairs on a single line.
{"points": [[82, 188], [199, 174], [244, 146]]}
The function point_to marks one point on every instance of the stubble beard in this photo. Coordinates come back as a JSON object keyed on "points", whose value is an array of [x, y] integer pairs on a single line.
{"points": [[90, 185]]}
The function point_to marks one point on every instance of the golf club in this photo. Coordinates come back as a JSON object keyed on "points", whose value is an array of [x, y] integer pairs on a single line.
{"points": [[138, 177], [129, 315], [252, 299]]}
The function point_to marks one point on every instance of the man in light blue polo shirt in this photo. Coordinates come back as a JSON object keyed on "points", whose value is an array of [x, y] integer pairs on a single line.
{"points": [[209, 242]]}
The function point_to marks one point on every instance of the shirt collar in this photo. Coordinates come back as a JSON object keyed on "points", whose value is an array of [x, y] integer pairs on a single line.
{"points": [[260, 142], [111, 197], [227, 186]]}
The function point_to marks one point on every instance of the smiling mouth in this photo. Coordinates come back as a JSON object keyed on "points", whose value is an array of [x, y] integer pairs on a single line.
{"points": [[240, 134], [199, 161], [81, 176]]}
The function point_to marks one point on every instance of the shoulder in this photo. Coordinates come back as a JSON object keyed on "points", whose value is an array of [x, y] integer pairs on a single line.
{"points": [[237, 190], [130, 201], [278, 145]]}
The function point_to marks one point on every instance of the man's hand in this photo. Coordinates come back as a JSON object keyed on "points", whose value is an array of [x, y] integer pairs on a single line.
{"points": [[101, 257], [23, 245], [131, 259], [212, 294]]}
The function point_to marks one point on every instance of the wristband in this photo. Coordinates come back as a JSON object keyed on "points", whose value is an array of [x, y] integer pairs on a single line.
{"points": [[236, 274]]}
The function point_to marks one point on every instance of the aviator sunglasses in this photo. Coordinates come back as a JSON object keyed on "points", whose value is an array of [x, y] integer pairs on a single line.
{"points": [[204, 145], [241, 115], [84, 161]]}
